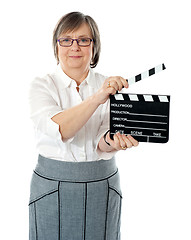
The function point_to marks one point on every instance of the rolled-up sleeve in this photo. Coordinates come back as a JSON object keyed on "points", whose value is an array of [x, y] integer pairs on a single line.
{"points": [[103, 128], [44, 104]]}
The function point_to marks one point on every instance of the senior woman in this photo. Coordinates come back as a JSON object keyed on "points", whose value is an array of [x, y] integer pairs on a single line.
{"points": [[75, 189]]}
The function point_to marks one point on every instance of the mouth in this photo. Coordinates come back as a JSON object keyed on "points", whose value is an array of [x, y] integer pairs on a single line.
{"points": [[76, 57]]}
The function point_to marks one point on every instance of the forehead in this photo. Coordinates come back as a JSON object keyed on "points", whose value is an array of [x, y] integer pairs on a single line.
{"points": [[82, 30]]}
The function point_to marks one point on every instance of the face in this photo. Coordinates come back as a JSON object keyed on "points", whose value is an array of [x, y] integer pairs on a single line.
{"points": [[76, 57]]}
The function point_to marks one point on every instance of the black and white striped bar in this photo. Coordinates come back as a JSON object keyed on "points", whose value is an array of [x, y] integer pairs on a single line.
{"points": [[143, 116], [146, 74]]}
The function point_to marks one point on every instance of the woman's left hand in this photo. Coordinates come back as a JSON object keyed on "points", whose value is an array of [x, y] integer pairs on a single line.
{"points": [[121, 141]]}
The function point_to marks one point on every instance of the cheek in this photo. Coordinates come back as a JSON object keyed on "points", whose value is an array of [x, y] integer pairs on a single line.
{"points": [[89, 53], [61, 52]]}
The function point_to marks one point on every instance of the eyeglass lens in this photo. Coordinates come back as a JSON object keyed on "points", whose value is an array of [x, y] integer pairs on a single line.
{"points": [[66, 42]]}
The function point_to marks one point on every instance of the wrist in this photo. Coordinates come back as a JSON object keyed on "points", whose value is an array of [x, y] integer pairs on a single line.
{"points": [[95, 99], [105, 138]]}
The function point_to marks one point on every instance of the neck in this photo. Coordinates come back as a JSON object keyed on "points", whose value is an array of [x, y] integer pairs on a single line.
{"points": [[76, 74]]}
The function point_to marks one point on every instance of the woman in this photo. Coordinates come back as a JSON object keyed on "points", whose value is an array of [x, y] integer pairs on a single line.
{"points": [[75, 190]]}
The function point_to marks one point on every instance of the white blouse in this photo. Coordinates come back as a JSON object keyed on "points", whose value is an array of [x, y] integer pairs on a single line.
{"points": [[53, 94]]}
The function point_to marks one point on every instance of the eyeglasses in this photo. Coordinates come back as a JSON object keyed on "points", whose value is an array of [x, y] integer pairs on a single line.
{"points": [[82, 42]]}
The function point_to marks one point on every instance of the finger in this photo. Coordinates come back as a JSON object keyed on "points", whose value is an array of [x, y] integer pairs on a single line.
{"points": [[117, 145], [115, 84], [107, 82], [109, 140], [128, 143], [133, 141], [121, 141], [107, 87], [119, 83], [111, 90], [125, 82]]}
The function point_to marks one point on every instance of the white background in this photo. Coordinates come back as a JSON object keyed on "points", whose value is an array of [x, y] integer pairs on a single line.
{"points": [[155, 178]]}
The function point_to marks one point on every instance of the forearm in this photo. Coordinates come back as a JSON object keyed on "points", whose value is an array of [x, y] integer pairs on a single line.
{"points": [[72, 120]]}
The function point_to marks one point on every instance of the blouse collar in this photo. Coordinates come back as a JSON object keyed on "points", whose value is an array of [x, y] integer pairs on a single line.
{"points": [[65, 81]]}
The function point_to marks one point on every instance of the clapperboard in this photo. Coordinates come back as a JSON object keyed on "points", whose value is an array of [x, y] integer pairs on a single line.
{"points": [[143, 116]]}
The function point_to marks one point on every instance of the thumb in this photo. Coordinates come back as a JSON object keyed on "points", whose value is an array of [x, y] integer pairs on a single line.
{"points": [[108, 139]]}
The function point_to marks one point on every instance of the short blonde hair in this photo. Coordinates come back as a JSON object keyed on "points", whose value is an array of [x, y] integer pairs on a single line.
{"points": [[73, 21]]}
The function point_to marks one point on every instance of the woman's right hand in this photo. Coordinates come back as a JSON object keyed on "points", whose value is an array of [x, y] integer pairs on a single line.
{"points": [[110, 86]]}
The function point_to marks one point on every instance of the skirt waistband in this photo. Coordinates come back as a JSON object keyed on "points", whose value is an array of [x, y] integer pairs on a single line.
{"points": [[75, 171]]}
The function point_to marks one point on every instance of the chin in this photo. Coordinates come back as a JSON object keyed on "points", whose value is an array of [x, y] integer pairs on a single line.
{"points": [[75, 66]]}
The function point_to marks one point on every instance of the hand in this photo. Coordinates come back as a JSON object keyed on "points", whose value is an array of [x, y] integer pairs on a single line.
{"points": [[121, 141], [110, 86]]}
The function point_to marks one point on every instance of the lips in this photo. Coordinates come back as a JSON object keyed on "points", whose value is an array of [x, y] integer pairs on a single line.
{"points": [[75, 56]]}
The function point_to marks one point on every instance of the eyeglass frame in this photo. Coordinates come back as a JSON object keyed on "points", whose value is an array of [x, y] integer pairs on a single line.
{"points": [[75, 39]]}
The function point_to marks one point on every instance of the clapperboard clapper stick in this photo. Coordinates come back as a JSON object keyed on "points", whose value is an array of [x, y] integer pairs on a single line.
{"points": [[146, 74], [143, 116]]}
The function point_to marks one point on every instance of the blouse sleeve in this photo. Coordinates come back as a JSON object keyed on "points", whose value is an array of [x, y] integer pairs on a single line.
{"points": [[103, 128], [44, 104]]}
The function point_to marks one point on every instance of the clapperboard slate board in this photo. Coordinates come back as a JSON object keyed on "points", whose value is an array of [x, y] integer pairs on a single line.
{"points": [[143, 116]]}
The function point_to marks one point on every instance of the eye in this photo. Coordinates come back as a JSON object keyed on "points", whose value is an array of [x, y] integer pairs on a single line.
{"points": [[66, 40], [84, 40]]}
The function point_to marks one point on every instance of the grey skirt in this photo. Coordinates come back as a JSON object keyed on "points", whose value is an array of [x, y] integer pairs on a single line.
{"points": [[75, 201]]}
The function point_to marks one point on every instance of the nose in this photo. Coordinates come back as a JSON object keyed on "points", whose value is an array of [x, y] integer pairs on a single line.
{"points": [[75, 45]]}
